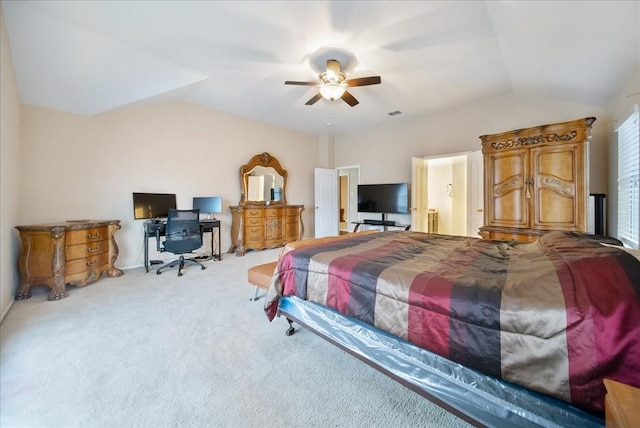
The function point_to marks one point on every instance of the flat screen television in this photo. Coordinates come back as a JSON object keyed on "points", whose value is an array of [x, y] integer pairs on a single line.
{"points": [[209, 205], [152, 205], [383, 198]]}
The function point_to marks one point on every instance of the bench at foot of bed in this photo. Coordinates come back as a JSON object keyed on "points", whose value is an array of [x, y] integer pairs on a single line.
{"points": [[260, 276]]}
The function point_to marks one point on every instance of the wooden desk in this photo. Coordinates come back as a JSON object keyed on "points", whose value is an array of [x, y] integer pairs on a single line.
{"points": [[150, 228], [71, 252]]}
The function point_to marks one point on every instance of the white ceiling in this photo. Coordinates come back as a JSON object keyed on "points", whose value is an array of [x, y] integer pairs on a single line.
{"points": [[88, 57]]}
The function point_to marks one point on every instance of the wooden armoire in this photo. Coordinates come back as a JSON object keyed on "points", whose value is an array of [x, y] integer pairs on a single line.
{"points": [[536, 180]]}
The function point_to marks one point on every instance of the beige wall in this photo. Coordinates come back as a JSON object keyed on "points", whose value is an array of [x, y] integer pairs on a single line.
{"points": [[10, 160], [87, 167], [384, 154]]}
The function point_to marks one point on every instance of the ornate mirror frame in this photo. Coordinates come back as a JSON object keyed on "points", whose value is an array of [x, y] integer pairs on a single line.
{"points": [[264, 160]]}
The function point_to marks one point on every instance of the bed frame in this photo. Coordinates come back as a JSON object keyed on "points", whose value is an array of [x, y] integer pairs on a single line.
{"points": [[479, 399]]}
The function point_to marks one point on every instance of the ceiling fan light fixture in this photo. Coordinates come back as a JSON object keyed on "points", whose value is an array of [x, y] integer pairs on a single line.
{"points": [[332, 91], [332, 84]]}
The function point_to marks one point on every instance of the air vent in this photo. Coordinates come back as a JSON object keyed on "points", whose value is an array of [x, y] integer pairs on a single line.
{"points": [[393, 113]]}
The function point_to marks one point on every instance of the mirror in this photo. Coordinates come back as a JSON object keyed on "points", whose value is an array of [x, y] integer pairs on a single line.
{"points": [[263, 181]]}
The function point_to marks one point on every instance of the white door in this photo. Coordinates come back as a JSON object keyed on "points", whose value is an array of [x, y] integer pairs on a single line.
{"points": [[418, 194], [475, 206], [326, 202]]}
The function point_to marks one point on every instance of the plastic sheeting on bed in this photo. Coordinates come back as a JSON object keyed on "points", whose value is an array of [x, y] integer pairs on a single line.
{"points": [[471, 395]]}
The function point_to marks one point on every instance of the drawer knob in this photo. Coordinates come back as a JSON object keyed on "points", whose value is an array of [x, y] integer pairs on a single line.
{"points": [[93, 263], [90, 236], [93, 250]]}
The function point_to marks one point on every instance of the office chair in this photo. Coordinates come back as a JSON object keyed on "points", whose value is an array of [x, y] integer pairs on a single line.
{"points": [[183, 236]]}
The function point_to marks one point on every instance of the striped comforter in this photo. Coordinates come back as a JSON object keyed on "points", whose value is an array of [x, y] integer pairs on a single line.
{"points": [[556, 316]]}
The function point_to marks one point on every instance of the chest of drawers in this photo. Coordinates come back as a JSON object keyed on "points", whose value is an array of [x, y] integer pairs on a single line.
{"points": [[256, 227], [74, 253]]}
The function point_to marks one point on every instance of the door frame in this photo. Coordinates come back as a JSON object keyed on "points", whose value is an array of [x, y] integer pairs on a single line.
{"points": [[354, 179], [419, 194], [473, 208]]}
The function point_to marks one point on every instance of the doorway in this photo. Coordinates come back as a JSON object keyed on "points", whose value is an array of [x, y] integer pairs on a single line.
{"points": [[447, 194], [349, 177]]}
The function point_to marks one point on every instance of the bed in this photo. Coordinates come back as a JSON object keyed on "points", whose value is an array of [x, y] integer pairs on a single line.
{"points": [[522, 333]]}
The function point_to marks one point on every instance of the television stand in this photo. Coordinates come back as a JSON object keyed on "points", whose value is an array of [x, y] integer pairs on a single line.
{"points": [[380, 223]]}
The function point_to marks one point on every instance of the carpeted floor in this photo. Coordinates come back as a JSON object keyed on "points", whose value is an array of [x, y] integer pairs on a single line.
{"points": [[147, 350]]}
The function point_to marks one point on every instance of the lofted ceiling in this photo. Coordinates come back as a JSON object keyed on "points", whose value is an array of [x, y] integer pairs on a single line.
{"points": [[89, 57]]}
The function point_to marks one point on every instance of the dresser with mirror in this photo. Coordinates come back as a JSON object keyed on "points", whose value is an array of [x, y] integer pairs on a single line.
{"points": [[263, 219]]}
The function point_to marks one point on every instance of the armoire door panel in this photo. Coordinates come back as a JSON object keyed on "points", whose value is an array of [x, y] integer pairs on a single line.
{"points": [[513, 165], [508, 209], [559, 162], [559, 211], [555, 170], [507, 203]]}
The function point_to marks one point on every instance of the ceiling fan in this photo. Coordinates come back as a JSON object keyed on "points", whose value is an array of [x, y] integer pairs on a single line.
{"points": [[333, 84]]}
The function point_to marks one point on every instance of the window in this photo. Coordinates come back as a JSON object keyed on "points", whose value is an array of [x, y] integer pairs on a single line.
{"points": [[629, 180]]}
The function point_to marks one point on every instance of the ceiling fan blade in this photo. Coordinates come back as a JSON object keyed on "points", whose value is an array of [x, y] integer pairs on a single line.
{"points": [[313, 99], [349, 99], [364, 81], [290, 82]]}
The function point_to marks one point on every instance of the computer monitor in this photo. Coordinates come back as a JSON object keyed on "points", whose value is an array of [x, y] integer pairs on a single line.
{"points": [[208, 205], [152, 205]]}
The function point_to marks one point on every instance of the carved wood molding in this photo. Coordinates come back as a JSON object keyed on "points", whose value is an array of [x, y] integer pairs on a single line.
{"points": [[114, 251], [265, 160], [558, 185], [577, 130], [530, 141], [58, 264], [510, 184]]}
